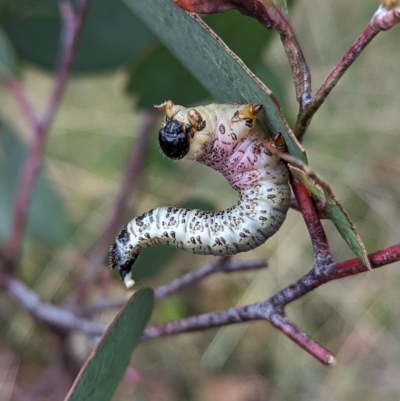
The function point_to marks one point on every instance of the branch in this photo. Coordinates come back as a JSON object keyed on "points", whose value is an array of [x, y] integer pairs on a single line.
{"points": [[386, 17], [322, 255], [272, 309], [72, 26], [218, 264], [54, 316]]}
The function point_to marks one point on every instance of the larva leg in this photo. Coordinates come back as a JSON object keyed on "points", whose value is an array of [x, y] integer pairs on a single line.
{"points": [[166, 106], [277, 142], [226, 138], [247, 114], [196, 120]]}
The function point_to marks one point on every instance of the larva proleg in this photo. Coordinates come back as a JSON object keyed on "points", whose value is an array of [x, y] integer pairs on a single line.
{"points": [[226, 138]]}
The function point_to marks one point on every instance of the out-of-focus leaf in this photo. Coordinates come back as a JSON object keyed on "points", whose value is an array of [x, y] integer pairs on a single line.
{"points": [[46, 218], [335, 211], [212, 63], [23, 8], [150, 86], [152, 260], [111, 37], [105, 367], [7, 57], [201, 204]]}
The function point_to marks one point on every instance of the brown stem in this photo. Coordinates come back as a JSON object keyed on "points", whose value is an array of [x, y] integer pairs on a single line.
{"points": [[382, 20], [72, 26], [218, 264]]}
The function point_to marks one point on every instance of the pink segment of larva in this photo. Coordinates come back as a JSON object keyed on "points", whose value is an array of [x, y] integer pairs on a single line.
{"points": [[226, 138]]}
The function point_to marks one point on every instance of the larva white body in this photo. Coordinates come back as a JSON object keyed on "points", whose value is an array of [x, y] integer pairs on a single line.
{"points": [[227, 139]]}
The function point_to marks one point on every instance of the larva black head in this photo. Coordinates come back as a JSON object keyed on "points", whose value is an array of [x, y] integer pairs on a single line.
{"points": [[174, 139]]}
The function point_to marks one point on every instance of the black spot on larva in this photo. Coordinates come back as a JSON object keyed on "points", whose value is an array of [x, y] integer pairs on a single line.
{"points": [[233, 136], [201, 126], [165, 234], [173, 235], [221, 129], [271, 196], [123, 236], [198, 239], [192, 240], [217, 242]]}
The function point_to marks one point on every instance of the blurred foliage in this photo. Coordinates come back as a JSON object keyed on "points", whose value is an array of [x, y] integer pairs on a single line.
{"points": [[111, 37], [46, 207], [352, 142]]}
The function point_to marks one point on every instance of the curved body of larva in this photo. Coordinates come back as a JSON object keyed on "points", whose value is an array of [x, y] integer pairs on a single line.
{"points": [[227, 139]]}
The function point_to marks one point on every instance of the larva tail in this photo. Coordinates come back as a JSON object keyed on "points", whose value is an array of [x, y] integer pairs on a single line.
{"points": [[122, 258]]}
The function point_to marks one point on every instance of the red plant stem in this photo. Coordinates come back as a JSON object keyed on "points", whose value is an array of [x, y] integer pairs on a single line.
{"points": [[377, 259], [383, 19], [272, 309], [284, 324], [72, 26], [322, 254]]}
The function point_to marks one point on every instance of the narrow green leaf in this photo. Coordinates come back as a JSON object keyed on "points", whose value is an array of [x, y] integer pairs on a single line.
{"points": [[148, 84], [212, 63], [47, 219], [105, 367], [336, 212]]}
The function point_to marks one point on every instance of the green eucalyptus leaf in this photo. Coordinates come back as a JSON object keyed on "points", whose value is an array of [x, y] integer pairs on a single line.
{"points": [[105, 367]]}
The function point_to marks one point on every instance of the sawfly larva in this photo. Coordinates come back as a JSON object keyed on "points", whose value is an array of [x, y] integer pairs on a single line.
{"points": [[227, 138]]}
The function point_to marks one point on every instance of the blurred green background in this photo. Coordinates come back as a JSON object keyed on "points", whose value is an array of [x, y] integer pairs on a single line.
{"points": [[352, 142]]}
